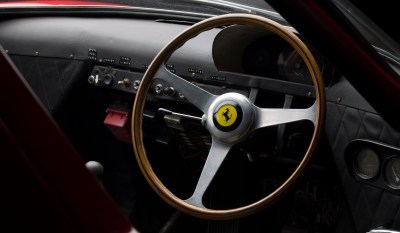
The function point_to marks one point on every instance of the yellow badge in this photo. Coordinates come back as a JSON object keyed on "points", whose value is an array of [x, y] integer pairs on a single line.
{"points": [[226, 115]]}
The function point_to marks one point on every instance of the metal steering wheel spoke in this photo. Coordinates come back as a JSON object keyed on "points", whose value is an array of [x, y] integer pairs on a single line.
{"points": [[199, 97], [215, 157], [273, 116]]}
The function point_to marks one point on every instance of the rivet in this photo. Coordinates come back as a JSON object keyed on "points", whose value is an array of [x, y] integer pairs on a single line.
{"points": [[309, 93], [6, 51], [37, 53], [339, 100], [71, 55], [100, 60]]}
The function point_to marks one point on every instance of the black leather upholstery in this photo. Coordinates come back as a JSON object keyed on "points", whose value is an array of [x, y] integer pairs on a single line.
{"points": [[370, 207]]}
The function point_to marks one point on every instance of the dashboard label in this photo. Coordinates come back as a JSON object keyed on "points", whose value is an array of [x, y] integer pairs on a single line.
{"points": [[217, 78], [92, 54], [125, 61]]}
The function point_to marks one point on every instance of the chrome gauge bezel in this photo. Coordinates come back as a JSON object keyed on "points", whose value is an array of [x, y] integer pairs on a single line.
{"points": [[357, 168], [386, 168], [385, 154]]}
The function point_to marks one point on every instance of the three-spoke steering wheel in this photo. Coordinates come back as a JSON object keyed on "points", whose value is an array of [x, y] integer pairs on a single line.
{"points": [[230, 118]]}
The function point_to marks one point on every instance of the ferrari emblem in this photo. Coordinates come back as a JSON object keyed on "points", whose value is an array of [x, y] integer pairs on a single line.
{"points": [[226, 115]]}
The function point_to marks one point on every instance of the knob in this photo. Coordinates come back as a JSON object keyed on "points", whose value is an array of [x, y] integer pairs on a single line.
{"points": [[97, 169], [126, 82], [169, 91], [136, 84], [91, 79], [108, 79], [158, 88]]}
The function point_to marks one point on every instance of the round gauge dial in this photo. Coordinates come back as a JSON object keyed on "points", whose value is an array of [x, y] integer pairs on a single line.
{"points": [[366, 164], [291, 67], [392, 172]]}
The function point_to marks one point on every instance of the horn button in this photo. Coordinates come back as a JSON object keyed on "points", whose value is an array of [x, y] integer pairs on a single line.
{"points": [[230, 117]]}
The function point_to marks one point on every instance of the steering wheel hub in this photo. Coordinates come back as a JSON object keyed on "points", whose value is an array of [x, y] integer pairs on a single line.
{"points": [[230, 117]]}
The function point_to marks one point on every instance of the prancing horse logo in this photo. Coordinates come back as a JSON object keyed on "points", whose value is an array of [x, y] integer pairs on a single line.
{"points": [[226, 115]]}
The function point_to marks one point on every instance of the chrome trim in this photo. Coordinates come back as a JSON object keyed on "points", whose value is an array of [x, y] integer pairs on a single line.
{"points": [[383, 230], [242, 129]]}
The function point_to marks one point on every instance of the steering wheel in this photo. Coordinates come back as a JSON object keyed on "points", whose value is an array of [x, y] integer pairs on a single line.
{"points": [[230, 118]]}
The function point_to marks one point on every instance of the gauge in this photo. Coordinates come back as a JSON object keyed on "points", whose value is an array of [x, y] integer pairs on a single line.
{"points": [[291, 67], [392, 172], [366, 164], [260, 57]]}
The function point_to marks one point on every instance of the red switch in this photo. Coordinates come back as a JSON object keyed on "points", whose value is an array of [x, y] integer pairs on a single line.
{"points": [[119, 124]]}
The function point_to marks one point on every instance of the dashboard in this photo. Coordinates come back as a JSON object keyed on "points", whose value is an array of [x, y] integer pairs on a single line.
{"points": [[256, 60], [236, 58]]}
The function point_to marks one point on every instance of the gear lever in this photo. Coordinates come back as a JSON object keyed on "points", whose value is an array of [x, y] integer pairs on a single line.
{"points": [[97, 170]]}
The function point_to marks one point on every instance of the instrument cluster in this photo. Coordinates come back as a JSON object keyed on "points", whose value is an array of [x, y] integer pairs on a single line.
{"points": [[375, 164], [263, 54]]}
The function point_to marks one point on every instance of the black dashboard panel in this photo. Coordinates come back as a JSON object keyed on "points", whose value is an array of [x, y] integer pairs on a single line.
{"points": [[113, 41], [131, 44], [126, 81]]}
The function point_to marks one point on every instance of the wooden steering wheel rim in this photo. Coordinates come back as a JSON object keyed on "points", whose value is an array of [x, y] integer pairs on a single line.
{"points": [[164, 54]]}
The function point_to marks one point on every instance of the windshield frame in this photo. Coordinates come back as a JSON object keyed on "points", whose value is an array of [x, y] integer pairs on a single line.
{"points": [[198, 8], [383, 44]]}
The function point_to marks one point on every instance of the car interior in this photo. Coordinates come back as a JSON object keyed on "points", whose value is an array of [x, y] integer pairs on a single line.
{"points": [[274, 117]]}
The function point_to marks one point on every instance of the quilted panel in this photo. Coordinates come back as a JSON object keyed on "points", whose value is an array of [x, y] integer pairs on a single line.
{"points": [[50, 78], [370, 207]]}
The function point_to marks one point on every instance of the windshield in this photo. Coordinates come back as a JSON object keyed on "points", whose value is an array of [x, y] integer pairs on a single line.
{"points": [[205, 6], [172, 3]]}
